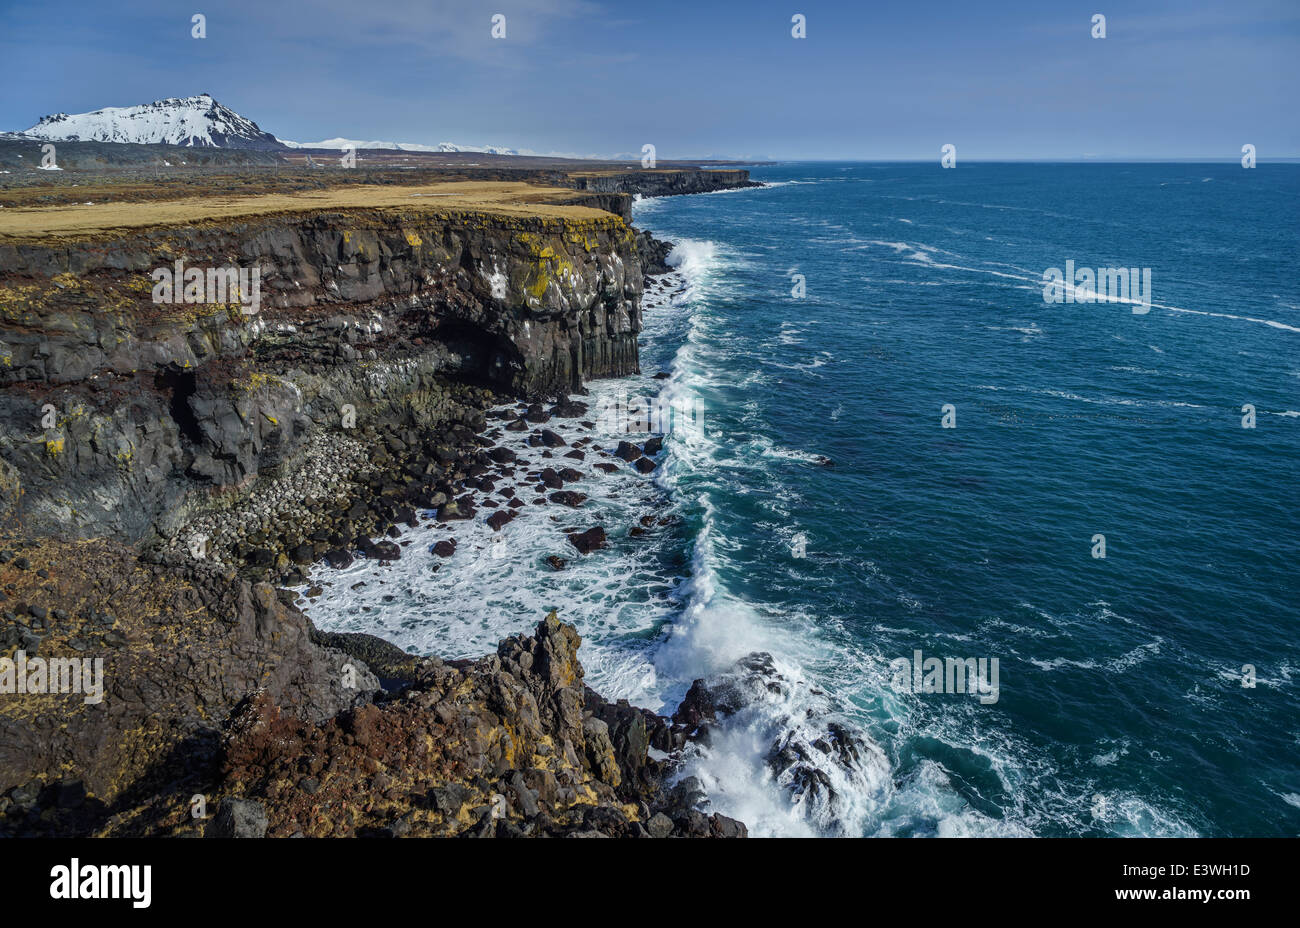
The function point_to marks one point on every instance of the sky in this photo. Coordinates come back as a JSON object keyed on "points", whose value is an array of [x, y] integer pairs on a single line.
{"points": [[872, 80]]}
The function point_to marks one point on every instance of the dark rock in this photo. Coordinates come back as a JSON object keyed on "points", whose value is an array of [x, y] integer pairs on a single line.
{"points": [[627, 451], [72, 794], [452, 511], [551, 479], [386, 551], [238, 818], [588, 541], [338, 558], [659, 825], [697, 707], [569, 498], [720, 826], [692, 824], [569, 409]]}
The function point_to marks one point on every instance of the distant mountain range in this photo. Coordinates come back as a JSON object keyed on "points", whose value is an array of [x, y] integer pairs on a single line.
{"points": [[340, 144], [200, 122]]}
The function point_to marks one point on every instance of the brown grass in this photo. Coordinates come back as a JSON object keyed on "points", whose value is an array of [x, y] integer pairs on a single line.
{"points": [[497, 198]]}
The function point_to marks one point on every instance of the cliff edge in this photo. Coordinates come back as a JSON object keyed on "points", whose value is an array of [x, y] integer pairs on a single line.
{"points": [[166, 463]]}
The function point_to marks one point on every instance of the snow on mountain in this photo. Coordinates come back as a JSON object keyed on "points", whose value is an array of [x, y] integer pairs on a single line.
{"points": [[340, 144], [191, 121], [203, 122]]}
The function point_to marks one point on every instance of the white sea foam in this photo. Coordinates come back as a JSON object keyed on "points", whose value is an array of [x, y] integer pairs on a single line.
{"points": [[498, 583], [1134, 657], [1057, 663]]}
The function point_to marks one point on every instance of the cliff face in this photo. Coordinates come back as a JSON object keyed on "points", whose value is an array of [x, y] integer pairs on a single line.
{"points": [[664, 182], [160, 461], [376, 310], [178, 650]]}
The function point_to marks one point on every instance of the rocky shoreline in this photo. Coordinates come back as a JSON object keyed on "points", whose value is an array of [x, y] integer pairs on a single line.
{"points": [[167, 548]]}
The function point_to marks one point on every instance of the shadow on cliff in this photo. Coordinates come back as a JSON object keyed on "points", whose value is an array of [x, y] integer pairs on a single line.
{"points": [[482, 359], [62, 808]]}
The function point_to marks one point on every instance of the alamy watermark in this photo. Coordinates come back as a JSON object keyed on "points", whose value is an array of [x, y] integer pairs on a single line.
{"points": [[75, 880], [180, 284], [920, 674], [619, 414], [22, 675], [1103, 285]]}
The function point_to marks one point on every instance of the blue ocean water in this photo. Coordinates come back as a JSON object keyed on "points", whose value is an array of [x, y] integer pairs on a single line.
{"points": [[1121, 708]]}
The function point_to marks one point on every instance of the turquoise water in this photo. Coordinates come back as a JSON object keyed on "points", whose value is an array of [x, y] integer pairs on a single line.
{"points": [[1120, 707]]}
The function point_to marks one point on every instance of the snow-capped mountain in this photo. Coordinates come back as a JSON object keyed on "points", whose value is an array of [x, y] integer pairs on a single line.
{"points": [[203, 122], [190, 121], [340, 144]]}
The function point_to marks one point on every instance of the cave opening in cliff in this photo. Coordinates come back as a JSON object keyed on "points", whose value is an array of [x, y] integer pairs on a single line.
{"points": [[478, 356], [178, 387]]}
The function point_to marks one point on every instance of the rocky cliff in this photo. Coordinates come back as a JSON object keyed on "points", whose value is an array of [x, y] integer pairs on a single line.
{"points": [[164, 464], [662, 182], [160, 405], [511, 745]]}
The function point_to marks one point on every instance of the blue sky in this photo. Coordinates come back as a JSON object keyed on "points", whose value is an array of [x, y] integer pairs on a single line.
{"points": [[873, 80]]}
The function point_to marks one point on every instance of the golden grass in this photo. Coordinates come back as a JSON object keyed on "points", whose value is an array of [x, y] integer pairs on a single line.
{"points": [[493, 197]]}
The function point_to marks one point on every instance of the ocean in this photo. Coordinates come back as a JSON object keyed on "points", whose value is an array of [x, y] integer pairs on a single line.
{"points": [[890, 443]]}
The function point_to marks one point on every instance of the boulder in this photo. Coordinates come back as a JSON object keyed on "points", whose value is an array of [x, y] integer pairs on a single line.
{"points": [[627, 451], [588, 541], [338, 558], [238, 818], [570, 498]]}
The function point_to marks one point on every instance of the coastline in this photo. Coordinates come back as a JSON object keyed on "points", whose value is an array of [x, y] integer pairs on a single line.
{"points": [[404, 471]]}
